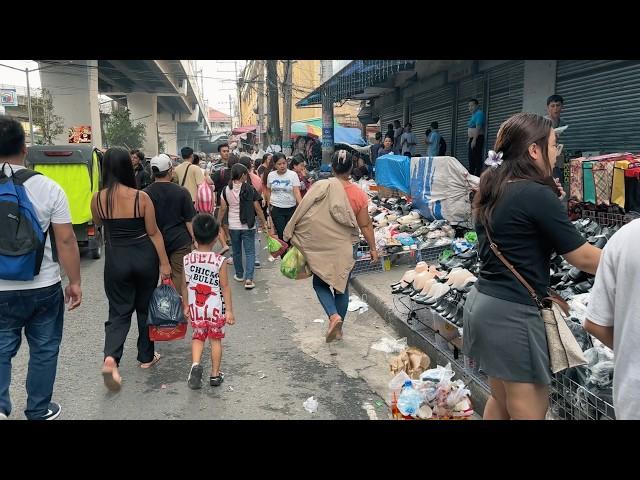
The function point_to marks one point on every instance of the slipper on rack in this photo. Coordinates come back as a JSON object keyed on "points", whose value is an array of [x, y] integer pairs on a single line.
{"points": [[156, 359]]}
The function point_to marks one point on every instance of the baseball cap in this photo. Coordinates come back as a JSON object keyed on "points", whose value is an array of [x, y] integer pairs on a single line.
{"points": [[162, 162]]}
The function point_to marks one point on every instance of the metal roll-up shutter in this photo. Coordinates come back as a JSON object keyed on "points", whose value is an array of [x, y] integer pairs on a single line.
{"points": [[389, 115], [506, 91], [601, 105], [434, 106], [467, 89]]}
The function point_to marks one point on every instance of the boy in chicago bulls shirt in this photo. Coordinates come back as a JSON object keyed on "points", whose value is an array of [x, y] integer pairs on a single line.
{"points": [[210, 306]]}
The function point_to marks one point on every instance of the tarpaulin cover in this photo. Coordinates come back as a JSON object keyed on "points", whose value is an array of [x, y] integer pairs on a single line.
{"points": [[393, 171], [440, 188], [75, 181]]}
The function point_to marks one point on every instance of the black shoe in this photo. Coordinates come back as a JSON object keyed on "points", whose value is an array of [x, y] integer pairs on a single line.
{"points": [[195, 377], [53, 412], [216, 381]]}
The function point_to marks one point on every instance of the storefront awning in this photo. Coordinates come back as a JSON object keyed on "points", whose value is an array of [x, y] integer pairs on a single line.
{"points": [[354, 78]]}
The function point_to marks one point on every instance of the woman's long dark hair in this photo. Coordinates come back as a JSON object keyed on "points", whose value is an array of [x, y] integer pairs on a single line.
{"points": [[116, 170], [513, 140]]}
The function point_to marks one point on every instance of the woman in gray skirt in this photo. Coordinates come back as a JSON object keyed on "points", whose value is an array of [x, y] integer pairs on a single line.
{"points": [[518, 202]]}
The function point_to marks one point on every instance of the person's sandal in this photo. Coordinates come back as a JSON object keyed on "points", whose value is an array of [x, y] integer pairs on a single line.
{"points": [[156, 359], [111, 377], [333, 331], [217, 380]]}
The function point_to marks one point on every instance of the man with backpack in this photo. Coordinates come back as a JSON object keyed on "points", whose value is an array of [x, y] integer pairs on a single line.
{"points": [[174, 211], [35, 229]]}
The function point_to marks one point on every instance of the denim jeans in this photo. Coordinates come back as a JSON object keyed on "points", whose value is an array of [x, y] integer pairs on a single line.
{"points": [[40, 312], [243, 240], [332, 302]]}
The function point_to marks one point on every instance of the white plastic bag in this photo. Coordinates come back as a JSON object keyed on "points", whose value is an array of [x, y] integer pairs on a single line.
{"points": [[438, 374], [310, 405], [356, 304], [389, 345]]}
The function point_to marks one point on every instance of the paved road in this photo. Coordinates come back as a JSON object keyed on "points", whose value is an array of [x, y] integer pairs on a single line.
{"points": [[274, 337]]}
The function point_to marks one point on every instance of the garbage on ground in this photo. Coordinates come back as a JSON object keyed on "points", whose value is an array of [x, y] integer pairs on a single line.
{"points": [[310, 405], [389, 345], [230, 388], [356, 304], [413, 361], [434, 396], [319, 320]]}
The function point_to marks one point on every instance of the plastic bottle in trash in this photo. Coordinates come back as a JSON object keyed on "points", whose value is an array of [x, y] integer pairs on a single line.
{"points": [[410, 399]]}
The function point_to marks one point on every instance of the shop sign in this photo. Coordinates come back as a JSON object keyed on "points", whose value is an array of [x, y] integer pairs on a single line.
{"points": [[80, 134], [8, 97]]}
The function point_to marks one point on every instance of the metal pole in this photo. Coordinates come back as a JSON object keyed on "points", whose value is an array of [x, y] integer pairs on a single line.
{"points": [[261, 137], [29, 107], [327, 114], [286, 128]]}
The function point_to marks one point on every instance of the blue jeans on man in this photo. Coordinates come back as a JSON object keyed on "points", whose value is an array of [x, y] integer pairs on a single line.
{"points": [[40, 313], [244, 240]]}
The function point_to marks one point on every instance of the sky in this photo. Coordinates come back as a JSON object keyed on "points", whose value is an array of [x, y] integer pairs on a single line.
{"points": [[218, 79]]}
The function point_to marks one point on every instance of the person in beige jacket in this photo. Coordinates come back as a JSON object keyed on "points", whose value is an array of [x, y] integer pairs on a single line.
{"points": [[324, 228]]}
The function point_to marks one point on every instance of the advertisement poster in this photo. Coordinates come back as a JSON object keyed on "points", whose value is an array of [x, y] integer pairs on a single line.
{"points": [[81, 134]]}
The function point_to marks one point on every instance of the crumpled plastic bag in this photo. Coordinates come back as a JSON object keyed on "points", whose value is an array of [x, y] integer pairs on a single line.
{"points": [[294, 265], [601, 375], [356, 304], [275, 246], [310, 405], [438, 374], [389, 345], [165, 307]]}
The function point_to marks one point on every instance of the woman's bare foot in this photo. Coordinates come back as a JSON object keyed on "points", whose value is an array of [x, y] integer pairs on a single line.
{"points": [[110, 374], [335, 324]]}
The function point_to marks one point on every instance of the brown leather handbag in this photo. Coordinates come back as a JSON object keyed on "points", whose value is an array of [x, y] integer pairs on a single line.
{"points": [[564, 351]]}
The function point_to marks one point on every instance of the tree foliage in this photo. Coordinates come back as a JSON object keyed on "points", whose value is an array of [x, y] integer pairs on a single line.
{"points": [[120, 130], [49, 124]]}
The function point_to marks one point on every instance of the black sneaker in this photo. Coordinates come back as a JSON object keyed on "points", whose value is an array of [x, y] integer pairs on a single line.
{"points": [[53, 412], [195, 377], [216, 381]]}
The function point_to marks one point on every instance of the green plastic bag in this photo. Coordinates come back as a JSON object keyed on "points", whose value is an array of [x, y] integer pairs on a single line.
{"points": [[293, 264], [471, 237], [272, 244]]}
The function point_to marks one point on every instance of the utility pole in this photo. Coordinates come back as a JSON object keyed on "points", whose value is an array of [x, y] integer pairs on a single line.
{"points": [[260, 68], [29, 107], [274, 114], [286, 128], [235, 64], [231, 110], [327, 113]]}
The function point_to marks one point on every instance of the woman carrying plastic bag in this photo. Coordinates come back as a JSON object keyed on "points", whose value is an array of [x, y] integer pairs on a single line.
{"points": [[324, 229]]}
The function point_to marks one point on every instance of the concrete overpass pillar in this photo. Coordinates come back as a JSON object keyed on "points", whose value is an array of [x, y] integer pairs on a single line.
{"points": [[74, 91], [168, 132], [144, 109]]}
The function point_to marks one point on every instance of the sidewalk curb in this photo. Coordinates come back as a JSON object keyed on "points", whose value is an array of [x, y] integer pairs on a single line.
{"points": [[479, 394]]}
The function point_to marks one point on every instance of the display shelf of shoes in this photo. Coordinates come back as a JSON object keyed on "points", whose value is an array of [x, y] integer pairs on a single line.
{"points": [[608, 219], [571, 401]]}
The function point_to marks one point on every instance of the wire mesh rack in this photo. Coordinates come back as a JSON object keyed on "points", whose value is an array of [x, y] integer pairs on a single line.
{"points": [[571, 401], [609, 219], [428, 325]]}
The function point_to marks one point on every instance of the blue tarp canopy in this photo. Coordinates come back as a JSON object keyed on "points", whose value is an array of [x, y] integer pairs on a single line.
{"points": [[394, 171], [350, 136]]}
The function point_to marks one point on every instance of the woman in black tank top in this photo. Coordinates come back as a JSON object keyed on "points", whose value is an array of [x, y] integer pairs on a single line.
{"points": [[134, 258]]}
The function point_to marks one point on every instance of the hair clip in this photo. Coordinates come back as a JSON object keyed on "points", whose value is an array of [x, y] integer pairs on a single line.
{"points": [[494, 160]]}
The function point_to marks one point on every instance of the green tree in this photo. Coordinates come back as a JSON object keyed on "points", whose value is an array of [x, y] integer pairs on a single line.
{"points": [[45, 119], [120, 130]]}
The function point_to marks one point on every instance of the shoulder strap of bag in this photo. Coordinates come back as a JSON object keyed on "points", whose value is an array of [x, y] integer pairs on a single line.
{"points": [[496, 251], [184, 179]]}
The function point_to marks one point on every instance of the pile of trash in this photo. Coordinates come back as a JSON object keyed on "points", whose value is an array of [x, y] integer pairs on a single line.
{"points": [[433, 396]]}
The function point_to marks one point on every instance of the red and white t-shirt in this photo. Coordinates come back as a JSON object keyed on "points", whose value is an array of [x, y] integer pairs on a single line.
{"points": [[202, 274]]}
